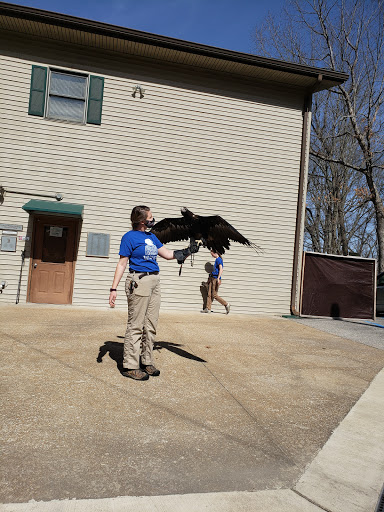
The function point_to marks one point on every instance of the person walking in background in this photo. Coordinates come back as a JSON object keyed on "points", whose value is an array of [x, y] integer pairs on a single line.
{"points": [[142, 287], [214, 281]]}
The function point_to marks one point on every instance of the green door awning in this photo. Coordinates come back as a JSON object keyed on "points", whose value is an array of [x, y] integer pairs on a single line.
{"points": [[54, 207]]}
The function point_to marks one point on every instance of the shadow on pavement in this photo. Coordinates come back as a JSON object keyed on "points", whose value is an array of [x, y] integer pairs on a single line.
{"points": [[115, 351], [363, 322], [175, 348]]}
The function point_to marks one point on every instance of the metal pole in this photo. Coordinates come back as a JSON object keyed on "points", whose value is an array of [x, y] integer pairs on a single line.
{"points": [[21, 273]]}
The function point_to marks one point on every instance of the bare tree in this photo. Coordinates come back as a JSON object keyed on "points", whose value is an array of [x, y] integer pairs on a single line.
{"points": [[344, 35], [338, 216]]}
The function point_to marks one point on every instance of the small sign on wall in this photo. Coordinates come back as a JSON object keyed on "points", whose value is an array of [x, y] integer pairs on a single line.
{"points": [[13, 227], [56, 231], [98, 245], [8, 243]]}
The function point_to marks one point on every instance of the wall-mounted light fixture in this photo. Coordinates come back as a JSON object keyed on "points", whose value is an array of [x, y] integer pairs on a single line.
{"points": [[3, 191], [139, 89]]}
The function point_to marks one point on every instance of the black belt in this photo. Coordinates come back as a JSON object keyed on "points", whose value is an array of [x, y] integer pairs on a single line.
{"points": [[142, 274]]}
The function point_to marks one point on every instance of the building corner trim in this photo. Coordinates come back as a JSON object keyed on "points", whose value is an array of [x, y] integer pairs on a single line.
{"points": [[301, 203]]}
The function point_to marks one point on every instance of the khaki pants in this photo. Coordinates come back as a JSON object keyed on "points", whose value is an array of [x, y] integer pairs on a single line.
{"points": [[213, 286], [143, 314]]}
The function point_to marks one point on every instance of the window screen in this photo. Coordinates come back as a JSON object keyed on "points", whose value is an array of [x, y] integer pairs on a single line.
{"points": [[67, 96]]}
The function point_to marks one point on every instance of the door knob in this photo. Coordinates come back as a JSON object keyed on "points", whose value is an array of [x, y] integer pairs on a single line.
{"points": [[35, 265]]}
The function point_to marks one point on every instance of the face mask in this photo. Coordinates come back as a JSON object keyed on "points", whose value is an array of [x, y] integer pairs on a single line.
{"points": [[150, 223]]}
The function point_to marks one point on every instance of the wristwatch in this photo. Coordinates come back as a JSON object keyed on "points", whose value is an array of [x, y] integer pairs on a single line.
{"points": [[113, 290]]}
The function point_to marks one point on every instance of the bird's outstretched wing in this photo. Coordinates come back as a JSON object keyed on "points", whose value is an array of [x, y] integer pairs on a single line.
{"points": [[172, 230], [220, 232]]}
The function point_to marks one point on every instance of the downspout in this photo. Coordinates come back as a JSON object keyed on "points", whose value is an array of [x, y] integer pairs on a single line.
{"points": [[301, 202]]}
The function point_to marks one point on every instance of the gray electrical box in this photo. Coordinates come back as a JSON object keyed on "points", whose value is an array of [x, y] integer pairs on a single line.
{"points": [[8, 243], [98, 245]]}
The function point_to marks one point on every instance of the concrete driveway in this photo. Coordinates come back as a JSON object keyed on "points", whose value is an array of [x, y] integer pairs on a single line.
{"points": [[242, 403]]}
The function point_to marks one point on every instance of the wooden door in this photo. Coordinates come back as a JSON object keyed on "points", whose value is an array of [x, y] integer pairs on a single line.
{"points": [[53, 260]]}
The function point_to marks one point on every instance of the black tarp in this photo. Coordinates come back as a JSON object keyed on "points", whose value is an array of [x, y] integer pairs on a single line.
{"points": [[335, 286]]}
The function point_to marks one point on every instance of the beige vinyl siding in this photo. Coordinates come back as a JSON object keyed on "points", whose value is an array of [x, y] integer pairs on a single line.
{"points": [[231, 149]]}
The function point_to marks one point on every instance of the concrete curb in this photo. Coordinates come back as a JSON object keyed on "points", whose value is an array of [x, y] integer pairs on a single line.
{"points": [[262, 501], [346, 476], [348, 473]]}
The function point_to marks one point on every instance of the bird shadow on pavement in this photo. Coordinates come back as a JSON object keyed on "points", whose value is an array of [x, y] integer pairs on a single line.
{"points": [[115, 351], [175, 348]]}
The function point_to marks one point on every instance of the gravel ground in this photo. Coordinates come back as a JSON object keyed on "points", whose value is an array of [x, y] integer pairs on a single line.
{"points": [[368, 332]]}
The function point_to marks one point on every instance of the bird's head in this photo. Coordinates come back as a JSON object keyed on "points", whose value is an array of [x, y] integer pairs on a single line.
{"points": [[185, 212], [188, 214]]}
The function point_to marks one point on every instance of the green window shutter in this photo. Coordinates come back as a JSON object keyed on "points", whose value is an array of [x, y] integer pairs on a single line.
{"points": [[37, 91], [95, 99]]}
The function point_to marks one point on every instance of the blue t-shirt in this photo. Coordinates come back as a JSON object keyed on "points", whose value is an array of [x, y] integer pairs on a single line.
{"points": [[141, 248], [216, 269]]}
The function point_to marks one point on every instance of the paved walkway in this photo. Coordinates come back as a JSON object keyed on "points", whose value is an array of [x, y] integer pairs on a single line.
{"points": [[248, 413]]}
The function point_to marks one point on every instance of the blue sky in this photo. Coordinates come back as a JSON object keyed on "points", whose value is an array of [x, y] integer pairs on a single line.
{"points": [[222, 23]]}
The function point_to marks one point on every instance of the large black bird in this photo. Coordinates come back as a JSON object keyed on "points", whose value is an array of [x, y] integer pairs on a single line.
{"points": [[214, 232]]}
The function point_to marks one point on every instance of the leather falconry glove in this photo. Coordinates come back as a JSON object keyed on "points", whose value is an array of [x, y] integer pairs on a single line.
{"points": [[182, 254]]}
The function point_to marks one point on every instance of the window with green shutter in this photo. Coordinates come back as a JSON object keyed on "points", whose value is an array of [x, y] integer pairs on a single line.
{"points": [[59, 94]]}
